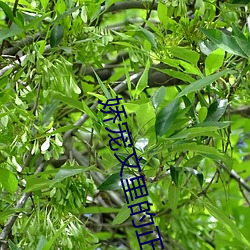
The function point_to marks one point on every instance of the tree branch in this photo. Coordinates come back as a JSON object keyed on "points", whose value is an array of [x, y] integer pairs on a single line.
{"points": [[236, 177], [21, 44], [16, 63]]}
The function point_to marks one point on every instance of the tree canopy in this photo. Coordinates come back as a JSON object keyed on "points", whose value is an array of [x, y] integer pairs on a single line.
{"points": [[180, 71]]}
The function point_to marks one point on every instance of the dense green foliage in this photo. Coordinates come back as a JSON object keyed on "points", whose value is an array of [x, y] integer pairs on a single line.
{"points": [[182, 69]]}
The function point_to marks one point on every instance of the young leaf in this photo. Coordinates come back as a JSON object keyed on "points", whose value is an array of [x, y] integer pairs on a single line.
{"points": [[104, 89], [8, 180], [202, 114], [143, 81], [186, 54], [49, 244], [214, 61], [162, 12], [166, 117]]}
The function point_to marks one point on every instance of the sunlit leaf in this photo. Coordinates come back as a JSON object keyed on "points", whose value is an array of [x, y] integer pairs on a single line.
{"points": [[8, 180]]}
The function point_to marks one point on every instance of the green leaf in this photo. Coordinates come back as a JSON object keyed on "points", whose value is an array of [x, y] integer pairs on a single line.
{"points": [[189, 68], [35, 183], [7, 10], [204, 150], [214, 61], [198, 175], [68, 12], [44, 3], [9, 32], [49, 244], [193, 132], [123, 215], [99, 210], [174, 172], [158, 97], [162, 12], [202, 114], [197, 85], [41, 243], [56, 35], [223, 41], [49, 110], [227, 223], [113, 182], [177, 74], [8, 180], [219, 125], [66, 172], [13, 246], [9, 211], [70, 101], [104, 89], [147, 35], [143, 81], [216, 110], [173, 196], [166, 117], [244, 45], [108, 235], [194, 161], [186, 54], [124, 212]]}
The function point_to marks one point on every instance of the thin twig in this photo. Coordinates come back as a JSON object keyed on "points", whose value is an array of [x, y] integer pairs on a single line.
{"points": [[235, 176], [9, 24], [148, 14], [37, 97]]}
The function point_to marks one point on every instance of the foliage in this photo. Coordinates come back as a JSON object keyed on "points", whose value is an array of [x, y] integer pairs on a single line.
{"points": [[182, 70]]}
